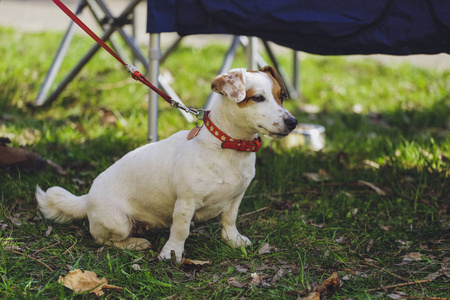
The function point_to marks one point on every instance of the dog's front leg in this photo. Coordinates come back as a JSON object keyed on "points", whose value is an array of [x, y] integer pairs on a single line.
{"points": [[179, 231], [228, 222]]}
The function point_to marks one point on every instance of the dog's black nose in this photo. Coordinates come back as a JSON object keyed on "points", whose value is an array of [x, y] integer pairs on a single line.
{"points": [[291, 123]]}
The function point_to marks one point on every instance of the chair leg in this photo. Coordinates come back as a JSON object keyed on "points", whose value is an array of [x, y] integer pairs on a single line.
{"points": [[226, 65], [57, 60], [43, 96], [75, 70], [252, 51], [154, 54]]}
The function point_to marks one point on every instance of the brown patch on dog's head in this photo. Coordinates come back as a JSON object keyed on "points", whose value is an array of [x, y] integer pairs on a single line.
{"points": [[279, 89], [248, 95], [231, 85]]}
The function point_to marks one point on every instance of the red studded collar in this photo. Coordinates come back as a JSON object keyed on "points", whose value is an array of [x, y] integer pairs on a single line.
{"points": [[227, 141]]}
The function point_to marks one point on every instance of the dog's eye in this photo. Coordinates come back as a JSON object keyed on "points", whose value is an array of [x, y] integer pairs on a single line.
{"points": [[283, 97], [258, 98]]}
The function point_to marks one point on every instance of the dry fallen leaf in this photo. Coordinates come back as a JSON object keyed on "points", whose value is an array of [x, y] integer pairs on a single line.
{"points": [[193, 262], [321, 175], [266, 248], [371, 164], [373, 187], [311, 222], [312, 176], [240, 269], [340, 240], [386, 227], [256, 279], [15, 220], [324, 174], [277, 276], [233, 281], [415, 255], [396, 296], [369, 245], [80, 282], [313, 296], [325, 289]]}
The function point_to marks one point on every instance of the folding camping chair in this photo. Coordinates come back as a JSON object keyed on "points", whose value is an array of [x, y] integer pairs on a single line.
{"points": [[111, 24]]}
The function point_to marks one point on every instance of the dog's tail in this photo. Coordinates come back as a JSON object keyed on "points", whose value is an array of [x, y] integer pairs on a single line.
{"points": [[60, 205]]}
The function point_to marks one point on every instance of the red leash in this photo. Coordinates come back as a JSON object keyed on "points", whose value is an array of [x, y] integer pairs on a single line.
{"points": [[135, 73], [227, 141]]}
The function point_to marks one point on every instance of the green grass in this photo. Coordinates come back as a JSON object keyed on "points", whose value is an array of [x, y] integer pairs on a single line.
{"points": [[399, 141]]}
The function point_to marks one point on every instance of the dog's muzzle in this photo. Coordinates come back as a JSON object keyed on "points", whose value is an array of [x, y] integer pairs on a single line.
{"points": [[291, 123]]}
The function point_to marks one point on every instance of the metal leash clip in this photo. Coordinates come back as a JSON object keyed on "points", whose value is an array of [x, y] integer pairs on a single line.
{"points": [[196, 112], [133, 70]]}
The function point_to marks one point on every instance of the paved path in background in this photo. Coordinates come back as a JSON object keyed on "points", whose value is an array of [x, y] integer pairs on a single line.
{"points": [[42, 15]]}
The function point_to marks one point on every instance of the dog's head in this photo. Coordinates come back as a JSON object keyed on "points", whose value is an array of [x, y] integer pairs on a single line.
{"points": [[258, 97]]}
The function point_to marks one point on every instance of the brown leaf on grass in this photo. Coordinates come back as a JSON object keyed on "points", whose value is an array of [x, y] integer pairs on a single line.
{"points": [[86, 281], [403, 244], [415, 255], [279, 274], [398, 295], [3, 226], [312, 296], [78, 181], [321, 175], [410, 257], [373, 187], [266, 248], [15, 220], [240, 269], [324, 174], [312, 176], [24, 159], [311, 222], [325, 289], [386, 227], [340, 240], [57, 167], [233, 281], [369, 245], [258, 279], [371, 164], [193, 262]]}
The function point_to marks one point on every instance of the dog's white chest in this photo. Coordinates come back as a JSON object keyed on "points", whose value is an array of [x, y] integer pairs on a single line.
{"points": [[220, 192]]}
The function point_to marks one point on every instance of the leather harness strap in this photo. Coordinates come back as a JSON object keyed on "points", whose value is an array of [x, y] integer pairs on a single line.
{"points": [[227, 141]]}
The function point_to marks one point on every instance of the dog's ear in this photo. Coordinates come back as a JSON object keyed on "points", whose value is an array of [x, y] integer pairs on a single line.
{"points": [[272, 72], [231, 85]]}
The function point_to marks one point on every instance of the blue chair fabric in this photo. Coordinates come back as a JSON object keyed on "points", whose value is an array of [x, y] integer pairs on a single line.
{"points": [[326, 27]]}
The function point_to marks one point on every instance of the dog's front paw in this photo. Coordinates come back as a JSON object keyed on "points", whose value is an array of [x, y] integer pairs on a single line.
{"points": [[166, 253], [238, 241]]}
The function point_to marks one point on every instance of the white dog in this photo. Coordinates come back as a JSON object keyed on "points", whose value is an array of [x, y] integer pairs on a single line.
{"points": [[174, 181]]}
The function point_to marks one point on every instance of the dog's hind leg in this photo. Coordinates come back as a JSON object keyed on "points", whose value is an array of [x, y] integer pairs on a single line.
{"points": [[115, 229], [228, 222]]}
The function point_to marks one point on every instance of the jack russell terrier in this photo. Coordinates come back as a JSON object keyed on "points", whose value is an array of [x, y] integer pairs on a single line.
{"points": [[188, 176]]}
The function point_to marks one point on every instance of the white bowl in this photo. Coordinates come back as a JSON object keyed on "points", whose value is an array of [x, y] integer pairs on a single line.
{"points": [[308, 135]]}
